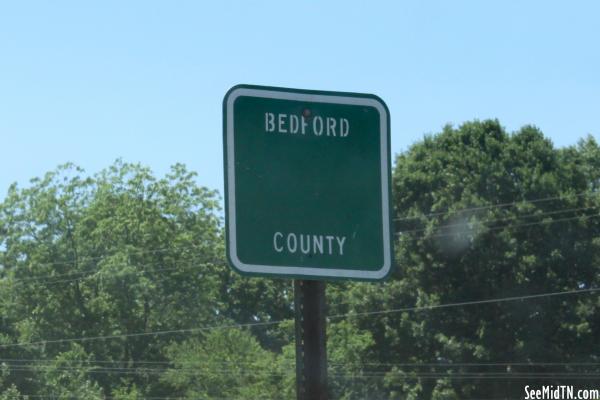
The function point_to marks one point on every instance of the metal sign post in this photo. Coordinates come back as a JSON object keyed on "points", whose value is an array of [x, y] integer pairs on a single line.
{"points": [[311, 349]]}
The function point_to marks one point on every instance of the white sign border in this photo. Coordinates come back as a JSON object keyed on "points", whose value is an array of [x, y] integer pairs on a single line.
{"points": [[307, 271]]}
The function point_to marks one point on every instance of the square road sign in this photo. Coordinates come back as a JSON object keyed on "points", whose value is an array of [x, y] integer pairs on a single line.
{"points": [[307, 183]]}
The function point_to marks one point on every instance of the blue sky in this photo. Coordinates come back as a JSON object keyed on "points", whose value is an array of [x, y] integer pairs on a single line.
{"points": [[89, 82]]}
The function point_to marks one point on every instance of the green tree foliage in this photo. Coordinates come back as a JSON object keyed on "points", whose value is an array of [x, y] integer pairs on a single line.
{"points": [[117, 254], [227, 363], [347, 351], [9, 392], [481, 214], [12, 393], [454, 247], [347, 356], [70, 372]]}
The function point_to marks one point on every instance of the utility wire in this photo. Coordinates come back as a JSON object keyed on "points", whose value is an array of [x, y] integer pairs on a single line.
{"points": [[479, 364], [462, 377], [26, 367], [394, 373], [255, 368], [444, 364], [518, 217], [175, 247], [269, 323], [100, 258], [90, 272], [48, 279], [510, 226], [499, 205], [463, 303], [76, 397], [138, 334], [217, 262]]}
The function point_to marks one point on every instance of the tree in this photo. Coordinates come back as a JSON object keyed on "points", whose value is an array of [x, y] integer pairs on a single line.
{"points": [[471, 228], [223, 363], [116, 254], [9, 392], [67, 375], [481, 214]]}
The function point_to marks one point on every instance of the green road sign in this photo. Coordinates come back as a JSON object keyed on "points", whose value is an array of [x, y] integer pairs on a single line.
{"points": [[307, 183]]}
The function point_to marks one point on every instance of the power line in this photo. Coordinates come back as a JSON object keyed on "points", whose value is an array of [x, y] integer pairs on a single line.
{"points": [[175, 247], [100, 258], [216, 262], [51, 365], [76, 397], [394, 373], [499, 205], [268, 323], [464, 303], [154, 333], [445, 364], [480, 364], [510, 226], [95, 271], [518, 217], [507, 377], [135, 370]]}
